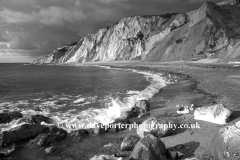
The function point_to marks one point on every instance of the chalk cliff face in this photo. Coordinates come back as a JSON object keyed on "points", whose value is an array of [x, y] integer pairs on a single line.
{"points": [[213, 31]]}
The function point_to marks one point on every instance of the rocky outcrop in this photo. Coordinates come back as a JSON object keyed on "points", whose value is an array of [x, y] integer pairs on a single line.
{"points": [[9, 116], [158, 128], [215, 114], [140, 108], [22, 132], [129, 142], [225, 143], [149, 148], [209, 32]]}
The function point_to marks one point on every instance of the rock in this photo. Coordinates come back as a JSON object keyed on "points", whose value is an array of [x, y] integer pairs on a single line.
{"points": [[105, 157], [121, 154], [140, 108], [129, 142], [149, 148], [225, 143], [58, 133], [183, 110], [179, 146], [174, 155], [215, 114], [158, 128], [18, 133], [9, 116], [37, 119], [171, 154], [108, 145], [50, 150], [118, 125], [42, 140], [122, 121], [4, 152], [100, 128], [36, 108], [79, 134]]}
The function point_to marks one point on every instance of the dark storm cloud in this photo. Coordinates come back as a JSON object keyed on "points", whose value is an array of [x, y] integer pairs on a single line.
{"points": [[32, 28]]}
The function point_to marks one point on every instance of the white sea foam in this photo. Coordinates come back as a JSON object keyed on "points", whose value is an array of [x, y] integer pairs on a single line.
{"points": [[116, 108], [133, 92], [80, 100]]}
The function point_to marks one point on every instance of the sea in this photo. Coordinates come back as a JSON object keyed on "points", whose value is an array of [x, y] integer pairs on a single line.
{"points": [[75, 96]]}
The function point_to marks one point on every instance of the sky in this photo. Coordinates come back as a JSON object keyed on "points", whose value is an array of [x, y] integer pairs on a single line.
{"points": [[30, 29]]}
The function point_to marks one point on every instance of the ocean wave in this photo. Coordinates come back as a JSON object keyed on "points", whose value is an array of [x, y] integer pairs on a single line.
{"points": [[114, 108]]}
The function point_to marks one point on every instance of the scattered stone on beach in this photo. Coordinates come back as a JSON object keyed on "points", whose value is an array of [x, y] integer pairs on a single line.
{"points": [[225, 143], [42, 140], [105, 157], [158, 128], [4, 152], [108, 145], [215, 114], [79, 133], [36, 119], [9, 116], [21, 132], [149, 148], [50, 150], [129, 142], [183, 110], [173, 154], [100, 128], [140, 108]]}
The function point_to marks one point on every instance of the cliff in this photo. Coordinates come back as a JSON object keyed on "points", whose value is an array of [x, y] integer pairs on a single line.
{"points": [[212, 31]]}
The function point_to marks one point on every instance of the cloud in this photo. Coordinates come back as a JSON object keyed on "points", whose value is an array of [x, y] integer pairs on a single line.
{"points": [[53, 15], [2, 38], [21, 43]]}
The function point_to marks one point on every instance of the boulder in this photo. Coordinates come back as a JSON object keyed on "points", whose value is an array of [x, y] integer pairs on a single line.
{"points": [[215, 114], [225, 143], [149, 148], [158, 128], [36, 119], [100, 128], [18, 133], [4, 152], [50, 150], [79, 134], [42, 140], [51, 135], [9, 116], [56, 133], [129, 142], [140, 108], [118, 125], [105, 157], [174, 155]]}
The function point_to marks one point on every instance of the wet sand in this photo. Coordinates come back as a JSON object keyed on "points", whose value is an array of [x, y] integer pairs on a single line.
{"points": [[198, 83], [201, 84]]}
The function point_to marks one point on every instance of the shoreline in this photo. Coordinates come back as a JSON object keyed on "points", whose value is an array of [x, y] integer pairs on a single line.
{"points": [[197, 85], [207, 78]]}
